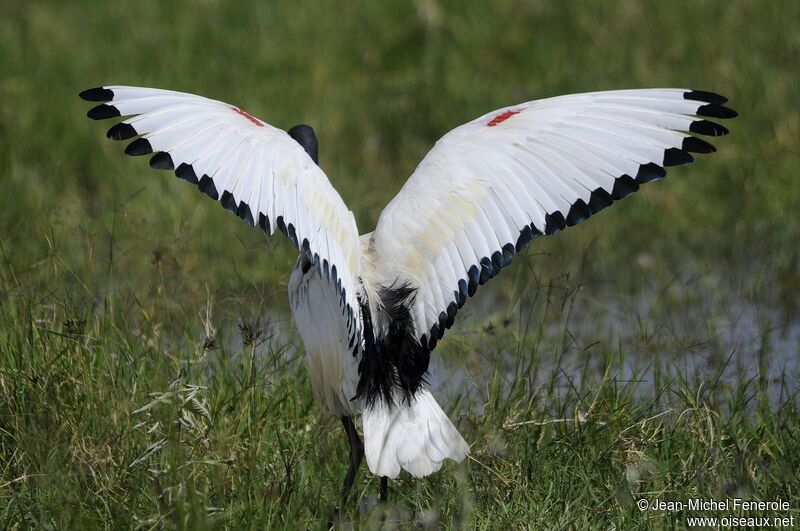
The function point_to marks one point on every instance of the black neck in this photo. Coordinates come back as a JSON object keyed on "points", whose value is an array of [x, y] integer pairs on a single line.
{"points": [[304, 135]]}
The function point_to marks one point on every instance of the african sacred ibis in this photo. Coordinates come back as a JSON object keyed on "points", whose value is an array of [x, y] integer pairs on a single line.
{"points": [[371, 308]]}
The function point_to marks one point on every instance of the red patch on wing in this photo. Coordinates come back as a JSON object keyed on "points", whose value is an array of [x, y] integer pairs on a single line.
{"points": [[248, 116], [502, 117]]}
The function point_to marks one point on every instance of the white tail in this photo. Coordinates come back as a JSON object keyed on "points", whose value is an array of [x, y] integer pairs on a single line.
{"points": [[416, 437]]}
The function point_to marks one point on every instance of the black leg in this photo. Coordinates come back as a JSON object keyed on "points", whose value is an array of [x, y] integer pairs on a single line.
{"points": [[356, 454], [384, 488]]}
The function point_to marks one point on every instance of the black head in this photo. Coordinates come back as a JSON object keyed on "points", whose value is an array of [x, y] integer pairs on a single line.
{"points": [[304, 135]]}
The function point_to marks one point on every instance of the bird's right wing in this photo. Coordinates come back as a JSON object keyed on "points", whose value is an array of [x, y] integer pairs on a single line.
{"points": [[489, 187], [254, 170]]}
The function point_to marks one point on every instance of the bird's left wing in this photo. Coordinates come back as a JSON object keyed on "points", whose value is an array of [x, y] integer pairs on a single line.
{"points": [[489, 187], [254, 170]]}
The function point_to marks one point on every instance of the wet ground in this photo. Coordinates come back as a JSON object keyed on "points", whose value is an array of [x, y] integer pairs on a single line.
{"points": [[704, 333], [714, 337]]}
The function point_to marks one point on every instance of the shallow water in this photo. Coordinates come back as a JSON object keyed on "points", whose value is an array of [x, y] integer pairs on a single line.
{"points": [[706, 333], [714, 340]]}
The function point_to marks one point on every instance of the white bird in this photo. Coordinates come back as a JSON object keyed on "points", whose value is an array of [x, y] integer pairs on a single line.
{"points": [[371, 308]]}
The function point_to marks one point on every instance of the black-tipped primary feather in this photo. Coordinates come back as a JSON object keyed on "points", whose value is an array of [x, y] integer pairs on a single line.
{"points": [[486, 270], [186, 172], [623, 187], [474, 277], [228, 202], [244, 212], [281, 224], [497, 260], [599, 200], [462, 292], [432, 342], [452, 308], [702, 95], [578, 212], [650, 172], [525, 238], [121, 131], [554, 223], [291, 233], [263, 222], [206, 185], [508, 253], [140, 146], [676, 157], [97, 94], [162, 161], [326, 273], [704, 127], [442, 323], [712, 110], [103, 111], [693, 144]]}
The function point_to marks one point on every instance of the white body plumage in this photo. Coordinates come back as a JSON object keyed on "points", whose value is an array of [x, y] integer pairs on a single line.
{"points": [[414, 435]]}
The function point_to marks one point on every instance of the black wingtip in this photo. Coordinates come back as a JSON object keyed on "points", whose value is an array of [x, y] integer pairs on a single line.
{"points": [[693, 144], [526, 236], [121, 131], [462, 292], [140, 146], [228, 202], [244, 212], [554, 223], [103, 111], [473, 275], [713, 110], [263, 222], [487, 270], [452, 309], [702, 95], [599, 200], [162, 161], [186, 172], [624, 186], [676, 157], [704, 127], [97, 94], [578, 212], [206, 185], [432, 342], [649, 172]]}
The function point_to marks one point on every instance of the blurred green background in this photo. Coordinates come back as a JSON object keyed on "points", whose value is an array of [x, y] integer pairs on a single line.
{"points": [[380, 82], [97, 246]]}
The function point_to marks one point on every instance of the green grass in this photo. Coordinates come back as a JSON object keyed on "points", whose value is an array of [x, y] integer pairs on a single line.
{"points": [[649, 353]]}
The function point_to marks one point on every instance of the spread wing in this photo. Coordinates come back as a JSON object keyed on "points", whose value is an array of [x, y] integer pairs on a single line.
{"points": [[256, 171], [488, 188]]}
